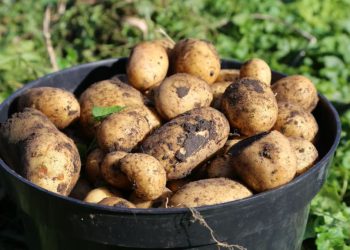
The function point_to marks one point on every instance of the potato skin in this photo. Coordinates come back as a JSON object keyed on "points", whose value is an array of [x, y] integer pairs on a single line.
{"points": [[147, 66], [208, 192], [180, 93], [116, 202], [59, 105], [93, 163], [218, 89], [264, 161], [159, 202], [258, 69], [175, 185], [293, 121], [305, 152], [98, 194], [48, 159], [111, 172], [105, 94], [298, 90], [228, 75], [221, 166], [187, 140], [198, 58], [250, 106], [146, 173]]}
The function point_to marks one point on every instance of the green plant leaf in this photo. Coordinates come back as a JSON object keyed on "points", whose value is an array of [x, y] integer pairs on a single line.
{"points": [[100, 113]]}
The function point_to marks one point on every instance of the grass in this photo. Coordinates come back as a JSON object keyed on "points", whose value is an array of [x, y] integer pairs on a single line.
{"points": [[309, 37]]}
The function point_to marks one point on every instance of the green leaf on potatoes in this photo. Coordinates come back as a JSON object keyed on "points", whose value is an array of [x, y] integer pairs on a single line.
{"points": [[100, 113]]}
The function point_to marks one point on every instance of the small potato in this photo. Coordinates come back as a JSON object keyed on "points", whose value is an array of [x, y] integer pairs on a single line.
{"points": [[81, 189], [159, 202], [228, 75], [147, 66], [59, 105], [187, 141], [93, 163], [198, 58], [250, 106], [221, 166], [122, 131], [293, 121], [208, 192], [218, 89], [175, 185], [298, 90], [98, 194], [306, 154], [146, 173], [106, 93], [264, 161], [258, 69], [110, 169], [116, 202], [180, 93]]}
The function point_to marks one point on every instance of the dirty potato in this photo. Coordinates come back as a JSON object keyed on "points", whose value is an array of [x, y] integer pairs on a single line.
{"points": [[228, 75], [218, 89], [93, 163], [305, 152], [116, 202], [258, 69]]}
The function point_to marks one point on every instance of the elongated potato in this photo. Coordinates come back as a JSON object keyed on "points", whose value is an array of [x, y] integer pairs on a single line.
{"points": [[258, 69], [46, 156], [180, 93], [116, 202], [298, 90], [208, 192], [250, 106], [59, 105], [187, 140], [196, 57], [264, 161], [105, 94], [147, 66], [305, 152]]}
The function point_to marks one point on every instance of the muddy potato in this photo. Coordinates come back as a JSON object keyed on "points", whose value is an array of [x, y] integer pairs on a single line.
{"points": [[221, 166], [258, 69], [145, 173], [98, 194], [218, 89], [250, 106], [208, 192], [59, 105], [111, 172], [180, 93], [228, 75], [198, 58], [188, 140], [293, 121], [264, 161], [306, 154], [48, 158], [81, 189], [116, 202], [93, 163], [298, 90], [105, 93], [159, 202], [147, 66]]}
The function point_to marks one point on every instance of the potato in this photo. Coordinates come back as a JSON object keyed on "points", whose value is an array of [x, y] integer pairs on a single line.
{"points": [[111, 172], [228, 75], [146, 173], [198, 58], [147, 66], [306, 154], [116, 202], [293, 121], [81, 189], [298, 90], [106, 93], [264, 161], [167, 44], [208, 192], [60, 106], [221, 166], [250, 106], [258, 69], [122, 131], [32, 145], [188, 140], [218, 89], [175, 185], [98, 194], [159, 202], [180, 93], [93, 163]]}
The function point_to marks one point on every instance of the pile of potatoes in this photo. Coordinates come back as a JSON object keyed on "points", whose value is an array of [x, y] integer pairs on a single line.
{"points": [[187, 133]]}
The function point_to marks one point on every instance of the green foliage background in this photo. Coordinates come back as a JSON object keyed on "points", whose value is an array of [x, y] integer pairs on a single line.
{"points": [[309, 37]]}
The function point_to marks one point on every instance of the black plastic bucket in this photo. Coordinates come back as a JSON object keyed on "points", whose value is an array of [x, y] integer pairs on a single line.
{"points": [[273, 220]]}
